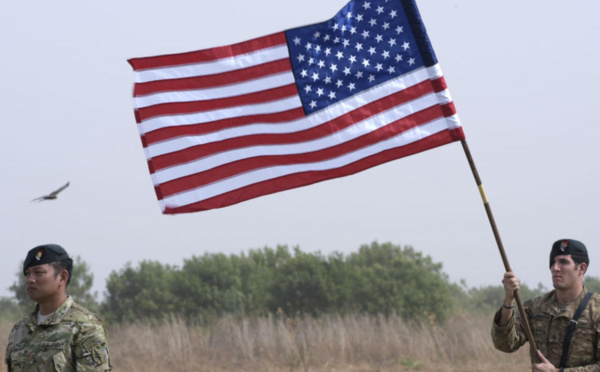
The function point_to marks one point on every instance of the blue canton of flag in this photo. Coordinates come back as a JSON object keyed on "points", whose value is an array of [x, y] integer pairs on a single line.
{"points": [[365, 44]]}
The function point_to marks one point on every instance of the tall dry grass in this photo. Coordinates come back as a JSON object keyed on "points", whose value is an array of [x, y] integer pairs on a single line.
{"points": [[331, 343]]}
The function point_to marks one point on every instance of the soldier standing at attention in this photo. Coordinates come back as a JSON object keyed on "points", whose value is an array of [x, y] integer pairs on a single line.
{"points": [[58, 335], [565, 323]]}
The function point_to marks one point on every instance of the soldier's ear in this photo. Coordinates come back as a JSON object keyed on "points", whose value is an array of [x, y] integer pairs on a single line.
{"points": [[64, 277], [583, 267]]}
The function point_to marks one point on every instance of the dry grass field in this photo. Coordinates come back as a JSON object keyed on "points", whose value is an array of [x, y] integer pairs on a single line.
{"points": [[352, 343]]}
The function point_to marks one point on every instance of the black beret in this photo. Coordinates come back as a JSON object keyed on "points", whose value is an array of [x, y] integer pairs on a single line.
{"points": [[567, 246], [43, 254]]}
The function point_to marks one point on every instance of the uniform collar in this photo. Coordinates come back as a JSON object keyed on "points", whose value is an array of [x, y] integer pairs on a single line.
{"points": [[56, 317], [550, 304]]}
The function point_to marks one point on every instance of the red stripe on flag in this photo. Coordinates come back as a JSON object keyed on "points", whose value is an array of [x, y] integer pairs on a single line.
{"points": [[249, 164], [323, 130], [448, 109], [439, 84], [200, 82], [308, 178], [214, 104], [204, 128], [206, 55]]}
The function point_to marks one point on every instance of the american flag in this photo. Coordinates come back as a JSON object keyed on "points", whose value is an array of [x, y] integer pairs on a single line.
{"points": [[223, 125]]}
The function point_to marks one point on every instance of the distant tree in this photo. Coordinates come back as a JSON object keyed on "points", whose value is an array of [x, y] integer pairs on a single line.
{"points": [[489, 299], [301, 284], [9, 310], [378, 279], [142, 292], [387, 278], [592, 283], [79, 288]]}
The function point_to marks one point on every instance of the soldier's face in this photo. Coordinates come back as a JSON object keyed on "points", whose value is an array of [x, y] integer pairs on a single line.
{"points": [[41, 282], [565, 274]]}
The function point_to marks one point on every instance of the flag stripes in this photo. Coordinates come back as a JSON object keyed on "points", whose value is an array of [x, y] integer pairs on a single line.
{"points": [[227, 124]]}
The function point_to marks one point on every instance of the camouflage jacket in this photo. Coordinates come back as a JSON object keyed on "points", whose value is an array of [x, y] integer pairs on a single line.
{"points": [[548, 325], [72, 339]]}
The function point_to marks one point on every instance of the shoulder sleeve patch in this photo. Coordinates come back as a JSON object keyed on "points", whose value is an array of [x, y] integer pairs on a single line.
{"points": [[94, 347]]}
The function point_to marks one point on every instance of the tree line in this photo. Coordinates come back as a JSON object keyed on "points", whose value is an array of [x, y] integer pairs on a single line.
{"points": [[376, 279]]}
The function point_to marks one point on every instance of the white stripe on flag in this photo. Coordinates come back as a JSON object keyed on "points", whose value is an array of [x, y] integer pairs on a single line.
{"points": [[316, 119], [259, 175], [231, 90], [280, 105], [213, 67], [333, 139]]}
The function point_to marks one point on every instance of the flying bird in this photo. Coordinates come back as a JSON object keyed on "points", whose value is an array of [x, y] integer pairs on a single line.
{"points": [[53, 195]]}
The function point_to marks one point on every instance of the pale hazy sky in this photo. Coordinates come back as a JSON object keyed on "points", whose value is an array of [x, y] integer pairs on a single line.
{"points": [[523, 75]]}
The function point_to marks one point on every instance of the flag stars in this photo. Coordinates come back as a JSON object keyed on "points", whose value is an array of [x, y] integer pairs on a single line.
{"points": [[347, 56]]}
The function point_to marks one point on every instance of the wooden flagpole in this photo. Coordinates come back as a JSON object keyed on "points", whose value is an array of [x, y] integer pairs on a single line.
{"points": [[488, 210]]}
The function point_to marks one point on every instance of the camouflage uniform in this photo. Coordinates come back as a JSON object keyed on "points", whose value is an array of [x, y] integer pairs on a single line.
{"points": [[548, 325], [72, 339]]}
